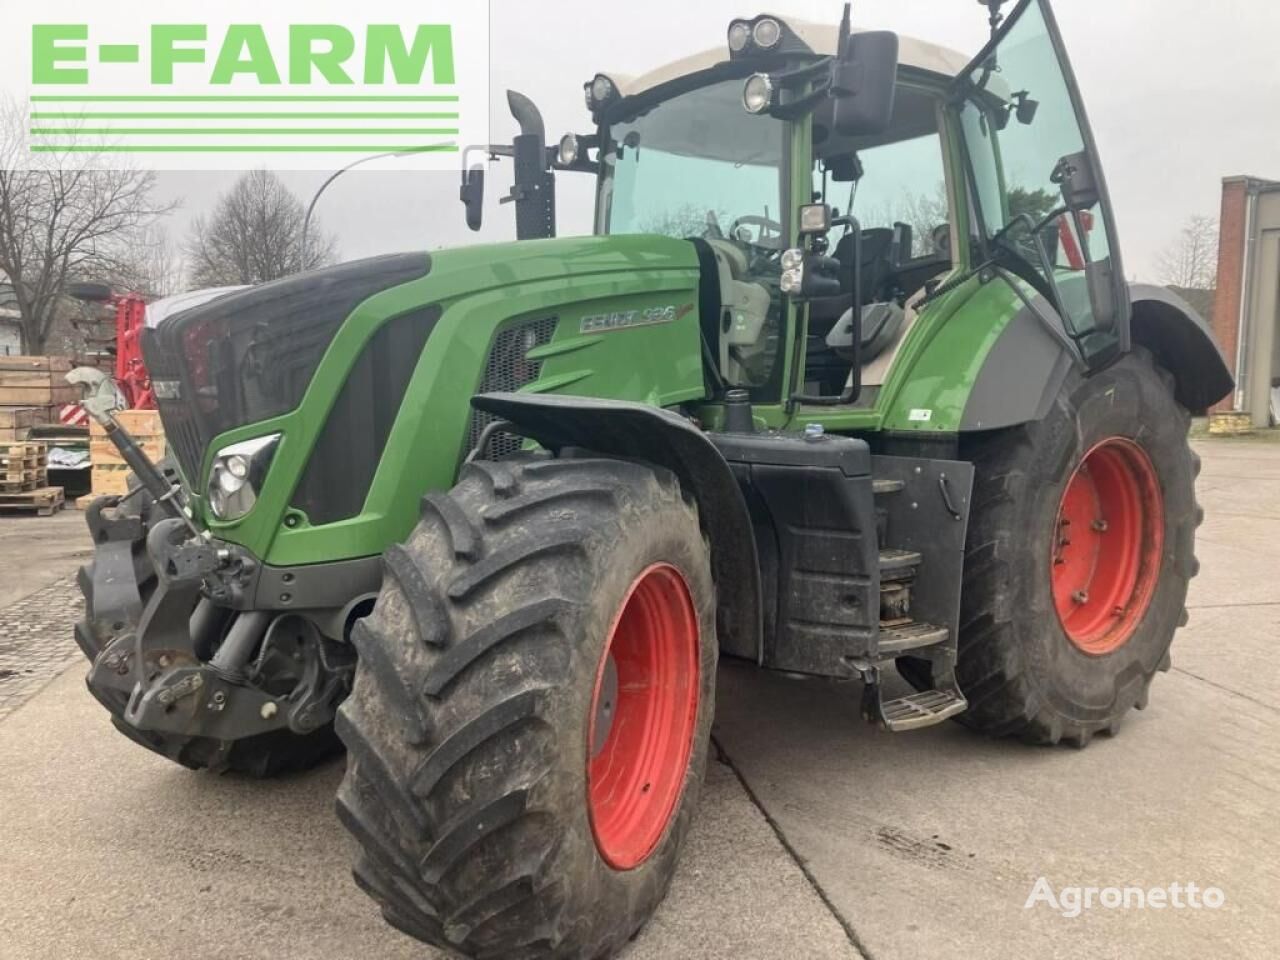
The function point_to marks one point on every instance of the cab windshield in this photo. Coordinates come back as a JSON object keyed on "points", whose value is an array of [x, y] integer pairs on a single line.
{"points": [[697, 165]]}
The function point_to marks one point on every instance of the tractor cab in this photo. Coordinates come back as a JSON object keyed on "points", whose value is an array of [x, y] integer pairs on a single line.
{"points": [[727, 155], [837, 184]]}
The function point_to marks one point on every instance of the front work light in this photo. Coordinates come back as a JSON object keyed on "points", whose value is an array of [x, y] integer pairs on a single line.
{"points": [[757, 95], [815, 220], [236, 475], [739, 36], [600, 92], [767, 33]]}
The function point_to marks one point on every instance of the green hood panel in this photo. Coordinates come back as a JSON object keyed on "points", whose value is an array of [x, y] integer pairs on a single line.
{"points": [[626, 311]]}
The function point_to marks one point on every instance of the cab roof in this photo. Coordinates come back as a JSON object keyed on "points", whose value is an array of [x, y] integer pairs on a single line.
{"points": [[821, 38]]}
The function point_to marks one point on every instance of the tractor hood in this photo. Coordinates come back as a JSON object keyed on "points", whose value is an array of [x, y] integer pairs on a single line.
{"points": [[340, 361]]}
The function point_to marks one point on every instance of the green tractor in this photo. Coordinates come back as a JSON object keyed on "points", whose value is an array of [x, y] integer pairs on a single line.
{"points": [[848, 381]]}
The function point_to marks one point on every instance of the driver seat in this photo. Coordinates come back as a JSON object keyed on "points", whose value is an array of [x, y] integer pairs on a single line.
{"points": [[877, 269], [822, 364]]}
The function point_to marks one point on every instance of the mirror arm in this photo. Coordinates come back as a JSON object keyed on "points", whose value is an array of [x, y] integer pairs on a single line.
{"points": [[819, 69], [799, 108]]}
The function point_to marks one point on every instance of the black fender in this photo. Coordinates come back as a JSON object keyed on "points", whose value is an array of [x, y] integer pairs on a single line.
{"points": [[1025, 369], [1023, 373], [635, 431], [1182, 342]]}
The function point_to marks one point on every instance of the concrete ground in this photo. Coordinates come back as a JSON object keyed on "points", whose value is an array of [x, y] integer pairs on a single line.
{"points": [[818, 836], [36, 550]]}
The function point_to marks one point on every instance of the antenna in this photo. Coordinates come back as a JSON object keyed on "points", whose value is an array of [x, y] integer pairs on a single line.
{"points": [[846, 29]]}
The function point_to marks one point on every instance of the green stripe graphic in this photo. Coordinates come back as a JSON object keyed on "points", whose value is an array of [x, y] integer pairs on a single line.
{"points": [[174, 98], [242, 148], [243, 116], [239, 131]]}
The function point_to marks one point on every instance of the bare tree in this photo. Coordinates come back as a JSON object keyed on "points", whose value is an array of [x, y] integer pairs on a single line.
{"points": [[687, 220], [254, 235], [924, 213], [1191, 261], [154, 267], [62, 219]]}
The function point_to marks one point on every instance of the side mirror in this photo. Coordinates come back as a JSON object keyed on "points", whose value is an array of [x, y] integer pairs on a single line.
{"points": [[864, 79], [1026, 109], [1075, 177], [472, 195]]}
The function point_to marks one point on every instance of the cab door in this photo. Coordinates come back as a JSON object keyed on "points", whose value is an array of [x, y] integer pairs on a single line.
{"points": [[1042, 218]]}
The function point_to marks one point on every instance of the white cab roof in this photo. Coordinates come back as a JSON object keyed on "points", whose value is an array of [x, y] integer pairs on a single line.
{"points": [[821, 38]]}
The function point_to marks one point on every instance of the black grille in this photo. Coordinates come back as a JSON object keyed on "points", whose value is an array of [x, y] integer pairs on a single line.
{"points": [[249, 356], [346, 456], [506, 371]]}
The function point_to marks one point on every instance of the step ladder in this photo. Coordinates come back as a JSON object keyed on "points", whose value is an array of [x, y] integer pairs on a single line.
{"points": [[902, 636]]}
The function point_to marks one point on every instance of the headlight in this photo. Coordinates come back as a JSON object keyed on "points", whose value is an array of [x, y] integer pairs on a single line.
{"points": [[739, 35], [767, 33], [757, 95], [792, 259], [568, 152], [236, 475], [792, 281]]}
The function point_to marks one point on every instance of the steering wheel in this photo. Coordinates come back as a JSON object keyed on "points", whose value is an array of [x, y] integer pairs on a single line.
{"points": [[765, 225]]}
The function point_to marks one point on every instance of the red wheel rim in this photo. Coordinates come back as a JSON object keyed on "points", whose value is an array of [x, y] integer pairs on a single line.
{"points": [[1107, 546], [643, 713]]}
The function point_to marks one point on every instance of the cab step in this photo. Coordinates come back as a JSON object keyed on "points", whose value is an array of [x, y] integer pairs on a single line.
{"points": [[898, 564], [921, 710], [903, 639], [882, 487]]}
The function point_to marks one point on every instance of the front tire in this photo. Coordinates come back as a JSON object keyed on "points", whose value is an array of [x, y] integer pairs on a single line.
{"points": [[1080, 550], [532, 709]]}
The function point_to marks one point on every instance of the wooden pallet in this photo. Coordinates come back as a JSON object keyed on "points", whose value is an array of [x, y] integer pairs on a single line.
{"points": [[24, 448], [44, 502], [23, 466]]}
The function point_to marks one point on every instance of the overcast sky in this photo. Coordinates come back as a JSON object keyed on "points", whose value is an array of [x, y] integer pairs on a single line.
{"points": [[1180, 92]]}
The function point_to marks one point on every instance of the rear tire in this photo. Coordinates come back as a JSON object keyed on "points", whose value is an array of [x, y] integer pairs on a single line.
{"points": [[487, 751], [1038, 659]]}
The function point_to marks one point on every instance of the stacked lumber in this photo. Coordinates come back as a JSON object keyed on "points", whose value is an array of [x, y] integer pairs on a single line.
{"points": [[110, 472], [16, 422], [32, 390], [27, 382]]}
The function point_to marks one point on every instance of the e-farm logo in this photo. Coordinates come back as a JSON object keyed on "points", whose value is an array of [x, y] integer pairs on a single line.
{"points": [[237, 84]]}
